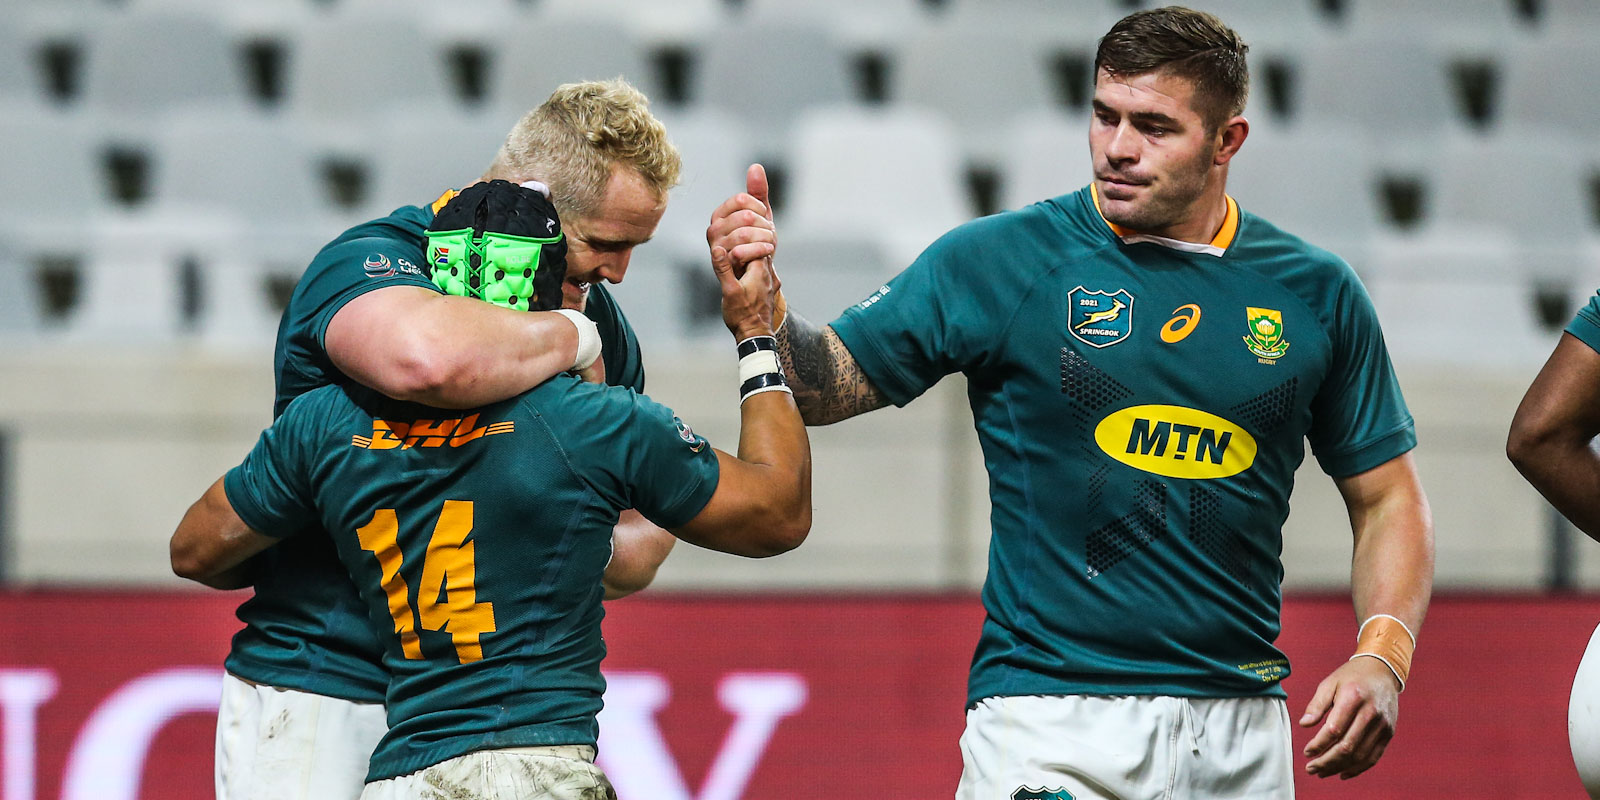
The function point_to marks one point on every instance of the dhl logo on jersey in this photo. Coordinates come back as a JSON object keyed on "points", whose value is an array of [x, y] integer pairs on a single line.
{"points": [[1176, 442], [391, 434]]}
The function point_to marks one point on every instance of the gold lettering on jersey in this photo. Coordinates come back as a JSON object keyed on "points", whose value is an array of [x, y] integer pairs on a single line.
{"points": [[392, 434], [1184, 320], [1176, 441]]}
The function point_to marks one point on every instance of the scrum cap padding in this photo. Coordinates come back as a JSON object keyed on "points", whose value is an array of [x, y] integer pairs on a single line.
{"points": [[499, 242]]}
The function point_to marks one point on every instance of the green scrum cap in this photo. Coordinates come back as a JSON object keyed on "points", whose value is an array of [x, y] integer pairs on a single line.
{"points": [[499, 242]]}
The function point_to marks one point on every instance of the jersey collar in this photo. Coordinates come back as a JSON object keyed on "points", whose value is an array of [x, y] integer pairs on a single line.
{"points": [[450, 194], [1217, 247]]}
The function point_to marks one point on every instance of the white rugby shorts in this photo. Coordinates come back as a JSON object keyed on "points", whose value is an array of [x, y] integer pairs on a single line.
{"points": [[561, 772], [283, 744], [1091, 747]]}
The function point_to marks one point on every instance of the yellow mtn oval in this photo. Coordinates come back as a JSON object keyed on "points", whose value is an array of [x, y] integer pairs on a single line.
{"points": [[1176, 441]]}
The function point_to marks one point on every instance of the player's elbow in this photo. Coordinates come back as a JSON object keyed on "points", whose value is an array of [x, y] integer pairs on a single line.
{"points": [[1530, 442], [784, 527], [188, 560]]}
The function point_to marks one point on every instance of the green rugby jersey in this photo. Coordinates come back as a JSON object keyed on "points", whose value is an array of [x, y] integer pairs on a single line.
{"points": [[305, 628], [1586, 324], [1142, 406], [477, 540]]}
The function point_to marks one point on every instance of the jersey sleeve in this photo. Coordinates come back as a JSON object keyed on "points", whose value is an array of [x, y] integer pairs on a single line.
{"points": [[619, 344], [1586, 324], [943, 314], [349, 269], [1359, 418], [271, 490], [636, 453]]}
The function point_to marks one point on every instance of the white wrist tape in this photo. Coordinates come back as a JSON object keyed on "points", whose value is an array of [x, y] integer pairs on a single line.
{"points": [[588, 338], [758, 363]]}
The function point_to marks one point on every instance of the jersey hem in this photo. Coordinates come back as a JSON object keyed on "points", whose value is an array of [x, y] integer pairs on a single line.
{"points": [[467, 745], [279, 678]]}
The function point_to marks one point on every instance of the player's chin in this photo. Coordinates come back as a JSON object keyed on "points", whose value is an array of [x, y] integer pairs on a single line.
{"points": [[574, 295]]}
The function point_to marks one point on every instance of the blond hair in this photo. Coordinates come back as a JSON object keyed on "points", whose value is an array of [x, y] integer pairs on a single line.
{"points": [[573, 140]]}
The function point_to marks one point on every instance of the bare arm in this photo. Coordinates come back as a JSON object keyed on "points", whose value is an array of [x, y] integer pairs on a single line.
{"points": [[1552, 435], [762, 504], [211, 544], [829, 385], [638, 547], [414, 344], [1391, 573]]}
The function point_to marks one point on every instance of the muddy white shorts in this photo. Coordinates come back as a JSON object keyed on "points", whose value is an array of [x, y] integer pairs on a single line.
{"points": [[283, 744], [561, 772], [1090, 747]]}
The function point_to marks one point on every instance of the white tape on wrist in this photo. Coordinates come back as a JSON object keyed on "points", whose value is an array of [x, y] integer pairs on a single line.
{"points": [[588, 338], [758, 363]]}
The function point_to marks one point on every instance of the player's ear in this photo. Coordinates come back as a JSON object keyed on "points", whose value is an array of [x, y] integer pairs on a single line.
{"points": [[1231, 137]]}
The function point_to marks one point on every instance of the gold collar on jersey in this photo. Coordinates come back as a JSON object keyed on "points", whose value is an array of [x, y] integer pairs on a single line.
{"points": [[1218, 245]]}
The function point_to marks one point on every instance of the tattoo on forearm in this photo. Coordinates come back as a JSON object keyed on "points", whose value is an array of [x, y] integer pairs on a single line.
{"points": [[828, 384]]}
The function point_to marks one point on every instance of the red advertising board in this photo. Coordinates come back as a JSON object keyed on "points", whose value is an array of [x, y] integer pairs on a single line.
{"points": [[111, 695]]}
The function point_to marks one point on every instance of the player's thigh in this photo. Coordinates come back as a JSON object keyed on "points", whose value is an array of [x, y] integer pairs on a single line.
{"points": [[1242, 749], [1059, 747], [290, 745], [533, 773]]}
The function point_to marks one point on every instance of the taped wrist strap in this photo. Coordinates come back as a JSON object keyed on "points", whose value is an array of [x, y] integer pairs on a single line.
{"points": [[1387, 639], [759, 370], [588, 338]]}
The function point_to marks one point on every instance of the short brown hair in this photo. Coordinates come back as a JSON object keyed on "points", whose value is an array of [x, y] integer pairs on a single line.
{"points": [[572, 141], [1187, 43]]}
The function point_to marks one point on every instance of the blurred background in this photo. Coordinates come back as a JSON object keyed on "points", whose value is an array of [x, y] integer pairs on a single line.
{"points": [[168, 167]]}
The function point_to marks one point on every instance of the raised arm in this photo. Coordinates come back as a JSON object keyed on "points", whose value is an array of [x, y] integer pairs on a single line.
{"points": [[1391, 581], [211, 543], [1552, 434], [762, 503], [828, 384], [415, 344]]}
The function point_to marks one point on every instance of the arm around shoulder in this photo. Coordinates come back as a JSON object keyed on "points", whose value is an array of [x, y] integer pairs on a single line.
{"points": [[416, 344]]}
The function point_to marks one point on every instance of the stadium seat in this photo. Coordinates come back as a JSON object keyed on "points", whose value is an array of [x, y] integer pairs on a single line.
{"points": [[716, 150], [254, 166], [1541, 84], [416, 157], [1469, 25], [653, 22], [18, 75], [979, 78], [875, 24], [347, 69], [1461, 300], [51, 166], [144, 65], [767, 73], [891, 174], [1048, 156], [1317, 183], [655, 294], [1560, 16], [570, 49], [1276, 25], [1508, 183], [21, 316], [130, 291], [1076, 23], [1399, 93]]}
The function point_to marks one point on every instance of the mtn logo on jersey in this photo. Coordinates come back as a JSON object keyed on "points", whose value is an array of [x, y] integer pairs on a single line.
{"points": [[1176, 442], [1099, 319], [390, 434], [1264, 333]]}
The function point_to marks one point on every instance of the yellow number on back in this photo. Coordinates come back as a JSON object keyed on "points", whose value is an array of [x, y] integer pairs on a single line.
{"points": [[448, 597]]}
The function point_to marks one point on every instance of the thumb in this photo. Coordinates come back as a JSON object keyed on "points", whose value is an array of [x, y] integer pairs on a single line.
{"points": [[755, 182]]}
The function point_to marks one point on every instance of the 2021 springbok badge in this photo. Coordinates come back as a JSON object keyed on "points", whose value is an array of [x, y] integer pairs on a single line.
{"points": [[1099, 319], [1264, 333]]}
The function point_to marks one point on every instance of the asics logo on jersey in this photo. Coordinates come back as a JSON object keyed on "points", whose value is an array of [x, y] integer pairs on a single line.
{"points": [[393, 434], [1176, 442], [1184, 320]]}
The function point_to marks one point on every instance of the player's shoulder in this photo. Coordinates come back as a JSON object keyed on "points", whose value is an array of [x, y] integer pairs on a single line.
{"points": [[1016, 242], [1264, 247], [569, 403]]}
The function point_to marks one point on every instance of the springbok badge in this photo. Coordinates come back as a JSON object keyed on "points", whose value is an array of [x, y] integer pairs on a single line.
{"points": [[1099, 319]]}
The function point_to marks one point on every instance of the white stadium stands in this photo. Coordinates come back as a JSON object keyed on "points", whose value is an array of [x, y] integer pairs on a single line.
{"points": [[169, 165]]}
